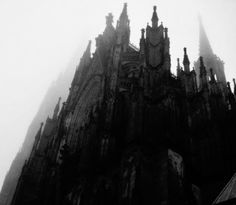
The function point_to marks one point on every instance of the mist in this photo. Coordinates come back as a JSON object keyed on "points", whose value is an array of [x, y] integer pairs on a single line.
{"points": [[39, 39]]}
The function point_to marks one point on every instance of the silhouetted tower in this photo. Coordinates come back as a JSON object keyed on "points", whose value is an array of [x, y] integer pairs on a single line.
{"points": [[187, 77], [123, 29], [210, 59], [157, 45]]}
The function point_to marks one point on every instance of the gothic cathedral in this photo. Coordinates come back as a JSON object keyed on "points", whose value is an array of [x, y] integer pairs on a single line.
{"points": [[131, 132]]}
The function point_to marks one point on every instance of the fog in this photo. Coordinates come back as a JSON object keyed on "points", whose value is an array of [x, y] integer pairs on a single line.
{"points": [[38, 39]]}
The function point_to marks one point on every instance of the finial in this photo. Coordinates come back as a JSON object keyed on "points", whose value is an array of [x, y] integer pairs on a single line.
{"points": [[186, 61], [178, 64], [185, 51], [229, 88], [154, 18], [109, 19], [201, 60], [142, 32], [166, 32], [178, 68], [123, 20]]}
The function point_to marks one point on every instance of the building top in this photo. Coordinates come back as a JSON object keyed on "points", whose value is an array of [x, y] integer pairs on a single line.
{"points": [[204, 44]]}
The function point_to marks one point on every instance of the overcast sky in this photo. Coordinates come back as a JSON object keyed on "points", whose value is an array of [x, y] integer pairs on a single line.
{"points": [[39, 37]]}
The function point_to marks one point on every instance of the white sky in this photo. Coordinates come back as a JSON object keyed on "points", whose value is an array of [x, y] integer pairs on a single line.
{"points": [[39, 37]]}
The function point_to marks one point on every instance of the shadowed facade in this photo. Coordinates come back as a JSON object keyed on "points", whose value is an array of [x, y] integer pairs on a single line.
{"points": [[130, 132]]}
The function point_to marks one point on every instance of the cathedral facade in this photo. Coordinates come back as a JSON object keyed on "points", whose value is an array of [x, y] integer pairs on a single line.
{"points": [[131, 132]]}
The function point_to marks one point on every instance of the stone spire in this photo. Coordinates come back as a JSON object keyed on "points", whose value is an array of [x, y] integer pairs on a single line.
{"points": [[154, 18], [178, 68], [204, 44], [124, 20], [142, 43], [123, 29], [57, 108], [211, 60], [186, 62]]}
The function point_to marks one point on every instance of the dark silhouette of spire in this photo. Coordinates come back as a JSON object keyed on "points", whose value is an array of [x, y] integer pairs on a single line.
{"points": [[142, 33], [186, 62], [178, 67], [211, 60], [204, 44], [166, 32], [154, 18], [142, 43], [178, 64], [57, 108]]}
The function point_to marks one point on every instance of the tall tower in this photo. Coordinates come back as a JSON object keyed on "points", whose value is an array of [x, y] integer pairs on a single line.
{"points": [[210, 59]]}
